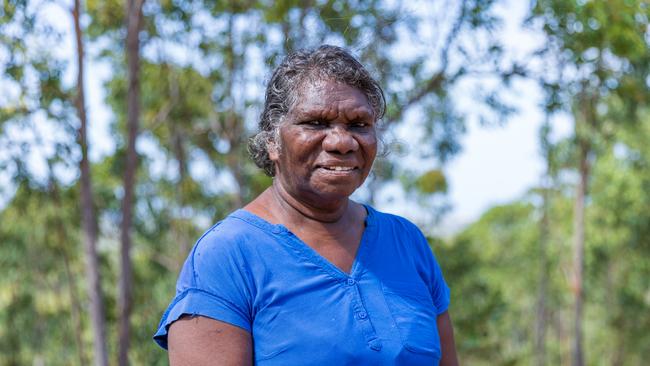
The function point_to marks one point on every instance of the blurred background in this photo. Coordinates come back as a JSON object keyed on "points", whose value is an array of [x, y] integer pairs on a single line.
{"points": [[517, 134]]}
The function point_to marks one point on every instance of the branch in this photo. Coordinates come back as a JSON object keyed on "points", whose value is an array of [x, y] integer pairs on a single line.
{"points": [[439, 79]]}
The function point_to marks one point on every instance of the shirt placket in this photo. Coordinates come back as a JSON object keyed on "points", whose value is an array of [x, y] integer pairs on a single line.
{"points": [[362, 317]]}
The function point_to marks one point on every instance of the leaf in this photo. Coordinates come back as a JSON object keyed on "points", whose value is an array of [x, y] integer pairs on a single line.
{"points": [[433, 181]]}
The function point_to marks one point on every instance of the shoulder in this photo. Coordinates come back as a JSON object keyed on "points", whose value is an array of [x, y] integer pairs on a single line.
{"points": [[231, 242], [401, 232], [236, 231], [229, 249]]}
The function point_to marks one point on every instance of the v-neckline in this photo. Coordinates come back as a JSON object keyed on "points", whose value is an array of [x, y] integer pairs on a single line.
{"points": [[309, 253]]}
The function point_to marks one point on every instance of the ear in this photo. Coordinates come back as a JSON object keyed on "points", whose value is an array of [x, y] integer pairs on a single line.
{"points": [[272, 149]]}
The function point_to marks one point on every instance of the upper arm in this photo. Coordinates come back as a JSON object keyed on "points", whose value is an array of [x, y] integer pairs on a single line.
{"points": [[447, 343], [199, 341]]}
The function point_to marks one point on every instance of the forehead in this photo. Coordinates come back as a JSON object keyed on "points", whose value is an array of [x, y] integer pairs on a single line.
{"points": [[331, 98]]}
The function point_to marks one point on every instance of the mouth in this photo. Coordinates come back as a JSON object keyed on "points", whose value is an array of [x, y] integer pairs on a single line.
{"points": [[338, 168]]}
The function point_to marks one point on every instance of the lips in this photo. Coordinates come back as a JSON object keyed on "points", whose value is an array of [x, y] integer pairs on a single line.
{"points": [[338, 168]]}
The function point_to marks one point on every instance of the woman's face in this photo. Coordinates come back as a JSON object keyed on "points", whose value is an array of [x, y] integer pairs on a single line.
{"points": [[327, 144]]}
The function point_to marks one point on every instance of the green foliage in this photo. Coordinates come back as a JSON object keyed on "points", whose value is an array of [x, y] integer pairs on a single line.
{"points": [[107, 16], [603, 44], [202, 75], [493, 262], [621, 227], [493, 267], [43, 277], [432, 181], [600, 56]]}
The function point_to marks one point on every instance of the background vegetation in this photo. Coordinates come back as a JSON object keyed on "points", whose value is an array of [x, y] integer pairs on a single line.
{"points": [[91, 243]]}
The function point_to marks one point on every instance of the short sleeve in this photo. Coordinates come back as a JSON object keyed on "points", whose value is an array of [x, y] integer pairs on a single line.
{"points": [[214, 283], [431, 270], [439, 288]]}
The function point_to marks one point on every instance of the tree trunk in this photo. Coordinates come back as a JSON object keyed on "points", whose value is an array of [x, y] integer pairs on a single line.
{"points": [[579, 250], [617, 316], [541, 316], [88, 218], [63, 241], [75, 310], [558, 335], [133, 24], [234, 130]]}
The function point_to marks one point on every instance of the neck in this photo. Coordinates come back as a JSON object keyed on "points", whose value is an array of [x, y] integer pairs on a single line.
{"points": [[299, 211]]}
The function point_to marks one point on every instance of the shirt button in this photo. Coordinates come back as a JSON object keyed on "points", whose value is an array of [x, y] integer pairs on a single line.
{"points": [[375, 344], [362, 315], [351, 281]]}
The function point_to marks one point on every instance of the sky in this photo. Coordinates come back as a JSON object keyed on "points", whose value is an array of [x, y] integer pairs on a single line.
{"points": [[497, 164], [500, 164]]}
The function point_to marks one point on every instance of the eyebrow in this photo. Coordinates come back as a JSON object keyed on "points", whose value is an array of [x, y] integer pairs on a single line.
{"points": [[361, 112], [358, 110]]}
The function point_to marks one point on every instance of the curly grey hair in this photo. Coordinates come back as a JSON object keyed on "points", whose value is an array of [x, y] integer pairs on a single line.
{"points": [[325, 62]]}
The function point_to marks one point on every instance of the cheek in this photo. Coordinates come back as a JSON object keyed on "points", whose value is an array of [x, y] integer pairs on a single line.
{"points": [[369, 144], [296, 155], [303, 145]]}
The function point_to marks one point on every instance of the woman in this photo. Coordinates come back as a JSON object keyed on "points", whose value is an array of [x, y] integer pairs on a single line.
{"points": [[303, 275]]}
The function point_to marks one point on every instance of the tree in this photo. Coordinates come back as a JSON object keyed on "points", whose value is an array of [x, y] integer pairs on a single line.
{"points": [[490, 265], [600, 56], [620, 222], [541, 316], [37, 130], [88, 218], [133, 25]]}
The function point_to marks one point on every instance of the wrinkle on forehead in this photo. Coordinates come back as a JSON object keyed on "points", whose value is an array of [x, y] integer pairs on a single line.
{"points": [[321, 99]]}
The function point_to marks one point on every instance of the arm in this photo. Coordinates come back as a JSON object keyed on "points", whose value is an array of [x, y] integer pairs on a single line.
{"points": [[447, 344], [202, 341]]}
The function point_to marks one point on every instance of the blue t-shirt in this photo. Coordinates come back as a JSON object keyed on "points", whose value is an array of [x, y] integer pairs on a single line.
{"points": [[302, 310]]}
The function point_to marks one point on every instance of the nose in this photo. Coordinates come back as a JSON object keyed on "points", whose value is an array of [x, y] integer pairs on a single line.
{"points": [[340, 140]]}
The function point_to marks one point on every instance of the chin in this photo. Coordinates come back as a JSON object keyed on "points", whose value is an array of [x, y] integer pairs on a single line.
{"points": [[334, 193]]}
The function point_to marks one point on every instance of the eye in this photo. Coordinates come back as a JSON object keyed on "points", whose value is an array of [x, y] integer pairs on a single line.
{"points": [[359, 124], [315, 123]]}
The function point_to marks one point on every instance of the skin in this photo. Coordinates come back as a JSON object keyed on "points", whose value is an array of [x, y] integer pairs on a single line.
{"points": [[327, 146], [201, 341], [447, 343]]}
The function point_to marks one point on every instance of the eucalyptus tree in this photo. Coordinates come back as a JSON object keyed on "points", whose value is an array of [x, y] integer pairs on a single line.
{"points": [[602, 52], [495, 262], [88, 217], [40, 139], [133, 20], [620, 222], [541, 315]]}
